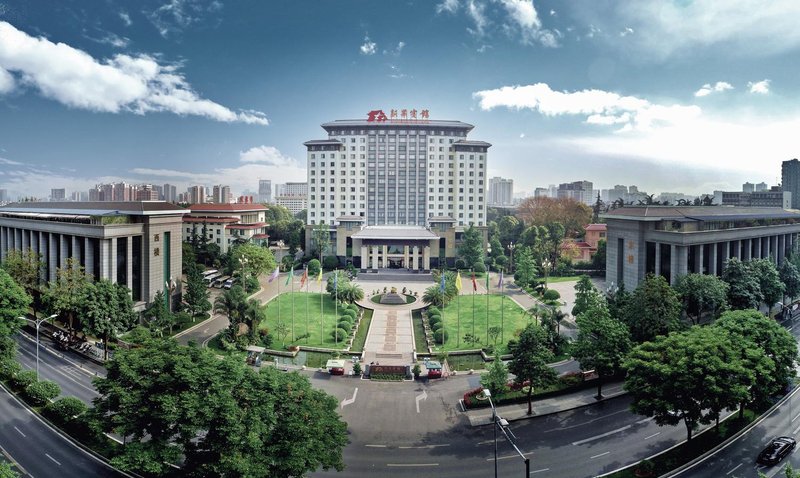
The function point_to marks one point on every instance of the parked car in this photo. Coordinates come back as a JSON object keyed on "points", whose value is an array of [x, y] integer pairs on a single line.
{"points": [[778, 449]]}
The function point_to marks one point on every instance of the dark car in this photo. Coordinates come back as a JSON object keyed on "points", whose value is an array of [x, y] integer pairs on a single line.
{"points": [[776, 451]]}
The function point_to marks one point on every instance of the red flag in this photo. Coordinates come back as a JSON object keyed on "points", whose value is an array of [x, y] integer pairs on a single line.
{"points": [[304, 277], [474, 284]]}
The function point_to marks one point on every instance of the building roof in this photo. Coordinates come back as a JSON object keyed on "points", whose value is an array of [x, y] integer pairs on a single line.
{"points": [[407, 124], [314, 142], [596, 227], [395, 232], [198, 219], [237, 207], [464, 142], [350, 218], [700, 213], [260, 236], [97, 208], [441, 219]]}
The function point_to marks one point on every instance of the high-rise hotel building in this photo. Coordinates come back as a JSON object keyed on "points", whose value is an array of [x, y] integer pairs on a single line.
{"points": [[419, 179]]}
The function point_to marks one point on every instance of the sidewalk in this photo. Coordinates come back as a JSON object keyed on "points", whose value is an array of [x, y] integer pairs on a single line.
{"points": [[547, 406]]}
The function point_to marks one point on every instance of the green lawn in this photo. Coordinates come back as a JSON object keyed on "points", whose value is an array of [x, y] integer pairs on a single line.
{"points": [[305, 319], [361, 333], [513, 318], [551, 280]]}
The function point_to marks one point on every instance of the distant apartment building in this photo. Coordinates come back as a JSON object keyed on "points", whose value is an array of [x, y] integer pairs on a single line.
{"points": [[170, 193], [762, 186], [196, 195], [501, 192], [3, 195], [541, 193], [294, 204], [790, 180], [132, 243], [58, 194], [221, 194], [580, 191], [146, 192], [748, 187], [264, 191], [227, 224], [776, 197], [291, 189]]}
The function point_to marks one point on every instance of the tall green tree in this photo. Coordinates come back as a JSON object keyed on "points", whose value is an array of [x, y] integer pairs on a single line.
{"points": [[585, 294], [252, 259], [744, 289], [107, 310], [158, 316], [767, 349], [701, 294], [63, 297], [769, 281], [691, 376], [233, 303], [14, 303], [531, 356], [603, 342], [525, 268], [188, 255], [790, 276], [653, 309], [471, 248], [321, 240], [26, 267], [196, 295], [496, 378]]}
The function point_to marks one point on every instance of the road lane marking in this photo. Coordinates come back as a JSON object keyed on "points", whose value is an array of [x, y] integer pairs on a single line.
{"points": [[54, 460], [734, 469], [422, 396], [18, 431], [645, 420], [412, 464], [375, 446], [421, 447], [651, 436], [586, 422], [487, 442], [598, 437], [505, 457], [601, 454], [78, 383], [539, 471], [348, 401]]}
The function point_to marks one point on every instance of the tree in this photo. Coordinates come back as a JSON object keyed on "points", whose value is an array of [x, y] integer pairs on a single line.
{"points": [[313, 267], [541, 211], [25, 268], [233, 303], [768, 281], [14, 303], [702, 293], [555, 236], [188, 254], [321, 239], [653, 309], [525, 267], [158, 316], [254, 314], [585, 294], [744, 290], [531, 357], [196, 294], [790, 276], [599, 257], [496, 378], [107, 309], [252, 260], [471, 248], [691, 376], [6, 471], [63, 296], [351, 293], [494, 332], [603, 342], [766, 348]]}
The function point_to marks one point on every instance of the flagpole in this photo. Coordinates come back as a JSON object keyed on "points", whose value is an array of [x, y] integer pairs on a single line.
{"points": [[292, 297], [308, 280], [502, 306], [458, 310], [473, 304], [321, 309], [488, 289], [336, 305]]}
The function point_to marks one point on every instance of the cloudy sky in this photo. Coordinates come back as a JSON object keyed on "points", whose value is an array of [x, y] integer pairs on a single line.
{"points": [[684, 96]]}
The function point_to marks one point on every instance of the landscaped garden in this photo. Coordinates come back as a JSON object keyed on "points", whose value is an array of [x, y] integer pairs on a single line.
{"points": [[309, 319]]}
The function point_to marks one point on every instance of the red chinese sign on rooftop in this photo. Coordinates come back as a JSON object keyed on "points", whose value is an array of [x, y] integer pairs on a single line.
{"points": [[400, 116]]}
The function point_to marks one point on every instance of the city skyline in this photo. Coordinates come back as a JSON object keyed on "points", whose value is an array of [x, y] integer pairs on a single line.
{"points": [[186, 92]]}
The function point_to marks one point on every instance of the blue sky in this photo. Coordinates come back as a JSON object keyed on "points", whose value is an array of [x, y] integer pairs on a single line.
{"points": [[686, 96]]}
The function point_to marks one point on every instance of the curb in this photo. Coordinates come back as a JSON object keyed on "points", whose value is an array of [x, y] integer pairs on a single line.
{"points": [[64, 436]]}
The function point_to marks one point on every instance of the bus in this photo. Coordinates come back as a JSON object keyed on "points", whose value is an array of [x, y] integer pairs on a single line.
{"points": [[219, 281], [211, 278], [209, 272]]}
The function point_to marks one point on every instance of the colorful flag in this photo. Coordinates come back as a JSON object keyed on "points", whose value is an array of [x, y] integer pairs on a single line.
{"points": [[474, 283], [458, 281], [290, 276], [442, 286], [319, 276], [500, 282], [304, 277], [274, 274]]}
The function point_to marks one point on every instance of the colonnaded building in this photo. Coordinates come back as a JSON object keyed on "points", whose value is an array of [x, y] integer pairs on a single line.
{"points": [[673, 241], [396, 190], [136, 243]]}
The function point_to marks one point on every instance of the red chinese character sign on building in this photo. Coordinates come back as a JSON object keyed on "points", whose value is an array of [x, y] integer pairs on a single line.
{"points": [[399, 116]]}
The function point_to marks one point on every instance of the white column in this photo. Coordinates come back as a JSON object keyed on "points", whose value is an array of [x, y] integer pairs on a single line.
{"points": [[89, 257], [773, 246], [415, 258], [759, 249], [699, 258], [385, 250], [712, 259], [364, 257], [112, 260], [103, 253], [405, 257], [426, 257], [129, 264], [52, 251], [374, 256]]}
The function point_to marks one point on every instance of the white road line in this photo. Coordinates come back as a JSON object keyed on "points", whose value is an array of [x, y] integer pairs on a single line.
{"points": [[487, 442], [794, 432], [422, 396], [348, 401], [539, 471], [597, 437], [645, 420], [421, 447], [78, 383], [505, 457], [412, 464], [18, 431], [586, 422], [54, 460], [375, 446], [795, 417], [653, 435], [734, 469], [601, 454]]}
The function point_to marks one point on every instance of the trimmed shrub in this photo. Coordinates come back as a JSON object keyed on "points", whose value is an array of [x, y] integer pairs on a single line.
{"points": [[42, 392], [339, 334], [313, 268], [551, 294], [440, 335], [65, 409], [345, 325], [347, 318], [138, 335], [353, 307], [435, 321], [479, 267], [9, 368], [433, 310], [432, 315], [23, 379], [330, 262], [349, 313], [461, 264]]}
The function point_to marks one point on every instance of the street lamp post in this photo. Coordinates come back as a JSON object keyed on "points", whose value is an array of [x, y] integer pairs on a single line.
{"points": [[502, 424], [511, 247], [546, 264], [37, 323]]}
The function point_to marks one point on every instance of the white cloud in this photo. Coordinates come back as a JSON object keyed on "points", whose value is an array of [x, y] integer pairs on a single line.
{"points": [[397, 50], [717, 87], [597, 106], [126, 19], [523, 14], [268, 155], [627, 31], [9, 162], [6, 82], [475, 11], [553, 13], [137, 84], [747, 27], [175, 15], [449, 6], [760, 87], [521, 135], [368, 47]]}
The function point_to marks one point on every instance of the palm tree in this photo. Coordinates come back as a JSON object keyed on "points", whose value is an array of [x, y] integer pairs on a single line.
{"points": [[557, 315], [433, 296], [537, 312], [232, 303], [351, 293], [254, 314]]}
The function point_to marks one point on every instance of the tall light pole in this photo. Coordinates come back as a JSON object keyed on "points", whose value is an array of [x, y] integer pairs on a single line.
{"points": [[502, 424], [488, 394], [511, 247], [37, 323], [546, 269]]}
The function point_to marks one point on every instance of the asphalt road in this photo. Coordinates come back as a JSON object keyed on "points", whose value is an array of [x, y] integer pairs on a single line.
{"points": [[39, 449]]}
